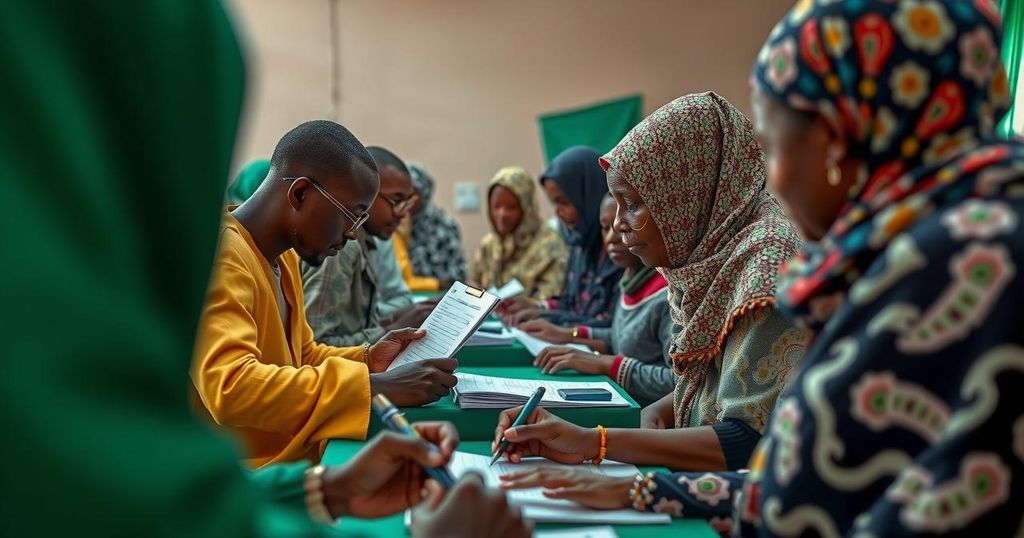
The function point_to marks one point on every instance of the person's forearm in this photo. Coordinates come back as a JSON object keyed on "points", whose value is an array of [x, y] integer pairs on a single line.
{"points": [[599, 346], [369, 335], [686, 449], [646, 382]]}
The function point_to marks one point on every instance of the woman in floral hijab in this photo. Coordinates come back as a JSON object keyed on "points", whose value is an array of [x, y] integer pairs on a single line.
{"points": [[877, 118], [690, 186]]}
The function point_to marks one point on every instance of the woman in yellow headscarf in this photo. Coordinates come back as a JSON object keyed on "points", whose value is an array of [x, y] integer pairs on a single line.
{"points": [[520, 245]]}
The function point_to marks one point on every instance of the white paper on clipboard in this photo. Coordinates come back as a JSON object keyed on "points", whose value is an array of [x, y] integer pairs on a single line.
{"points": [[456, 317]]}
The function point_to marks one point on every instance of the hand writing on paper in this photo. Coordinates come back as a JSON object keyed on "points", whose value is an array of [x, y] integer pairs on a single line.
{"points": [[389, 346], [386, 476], [546, 331], [416, 383], [589, 489], [469, 510], [555, 358], [545, 435]]}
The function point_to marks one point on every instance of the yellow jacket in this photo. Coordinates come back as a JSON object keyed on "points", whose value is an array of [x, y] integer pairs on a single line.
{"points": [[280, 396], [415, 283]]}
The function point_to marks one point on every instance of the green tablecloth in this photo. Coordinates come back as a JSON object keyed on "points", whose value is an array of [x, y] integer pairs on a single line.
{"points": [[341, 451], [424, 295], [513, 354], [478, 424]]}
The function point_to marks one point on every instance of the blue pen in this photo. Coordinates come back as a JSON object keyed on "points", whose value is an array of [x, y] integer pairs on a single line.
{"points": [[531, 404], [396, 422]]}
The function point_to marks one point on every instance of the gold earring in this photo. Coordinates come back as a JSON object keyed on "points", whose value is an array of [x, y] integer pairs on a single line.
{"points": [[833, 174]]}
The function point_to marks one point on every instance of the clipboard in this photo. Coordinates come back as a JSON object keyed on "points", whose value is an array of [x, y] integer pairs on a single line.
{"points": [[453, 320]]}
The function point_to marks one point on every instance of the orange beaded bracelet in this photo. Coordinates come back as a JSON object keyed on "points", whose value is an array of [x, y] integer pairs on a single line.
{"points": [[604, 445]]}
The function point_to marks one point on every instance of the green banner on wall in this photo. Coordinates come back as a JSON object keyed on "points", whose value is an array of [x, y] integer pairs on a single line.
{"points": [[599, 126]]}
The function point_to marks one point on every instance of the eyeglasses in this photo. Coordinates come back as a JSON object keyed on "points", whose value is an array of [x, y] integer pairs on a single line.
{"points": [[357, 220], [401, 206]]}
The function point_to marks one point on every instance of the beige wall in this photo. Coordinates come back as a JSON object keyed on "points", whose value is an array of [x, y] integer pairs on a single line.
{"points": [[458, 84]]}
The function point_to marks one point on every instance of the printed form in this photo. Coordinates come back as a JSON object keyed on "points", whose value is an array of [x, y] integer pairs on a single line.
{"points": [[449, 324]]}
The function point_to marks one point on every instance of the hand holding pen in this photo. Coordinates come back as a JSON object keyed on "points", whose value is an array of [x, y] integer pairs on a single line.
{"points": [[395, 421], [501, 443]]}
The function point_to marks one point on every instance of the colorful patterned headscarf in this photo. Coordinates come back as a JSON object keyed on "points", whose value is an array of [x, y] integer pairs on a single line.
{"points": [[917, 87], [700, 172]]}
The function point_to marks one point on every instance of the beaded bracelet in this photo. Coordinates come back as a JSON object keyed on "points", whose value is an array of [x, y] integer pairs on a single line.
{"points": [[640, 492], [314, 484], [603, 450], [366, 353]]}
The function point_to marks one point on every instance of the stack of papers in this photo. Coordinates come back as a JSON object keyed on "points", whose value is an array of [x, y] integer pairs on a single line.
{"points": [[492, 325], [488, 392], [481, 337], [537, 507], [535, 345]]}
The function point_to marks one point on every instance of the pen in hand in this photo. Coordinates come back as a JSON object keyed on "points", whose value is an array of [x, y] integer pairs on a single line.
{"points": [[396, 422], [531, 404]]}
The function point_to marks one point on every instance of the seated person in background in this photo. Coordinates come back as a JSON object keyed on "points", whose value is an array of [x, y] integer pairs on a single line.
{"points": [[398, 225], [256, 367], [393, 297], [343, 294], [520, 246], [248, 180], [634, 350], [575, 185], [692, 202], [435, 244], [130, 458]]}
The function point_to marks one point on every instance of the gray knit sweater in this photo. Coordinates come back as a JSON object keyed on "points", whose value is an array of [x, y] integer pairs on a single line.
{"points": [[641, 331]]}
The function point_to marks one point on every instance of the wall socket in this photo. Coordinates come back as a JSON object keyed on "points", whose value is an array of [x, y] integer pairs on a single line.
{"points": [[467, 197]]}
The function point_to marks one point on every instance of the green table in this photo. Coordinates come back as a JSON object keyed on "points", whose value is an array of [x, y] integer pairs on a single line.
{"points": [[478, 424], [424, 295], [513, 354], [339, 451]]}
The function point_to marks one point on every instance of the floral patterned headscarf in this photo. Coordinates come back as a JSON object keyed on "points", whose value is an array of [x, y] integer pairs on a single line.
{"points": [[701, 174], [917, 87]]}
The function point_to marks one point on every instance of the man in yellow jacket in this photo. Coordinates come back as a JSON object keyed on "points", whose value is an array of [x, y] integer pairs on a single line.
{"points": [[256, 368]]}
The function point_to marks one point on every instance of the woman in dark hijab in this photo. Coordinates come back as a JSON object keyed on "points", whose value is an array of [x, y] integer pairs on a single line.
{"points": [[575, 184]]}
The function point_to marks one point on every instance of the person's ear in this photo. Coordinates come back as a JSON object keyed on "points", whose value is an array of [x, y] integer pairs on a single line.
{"points": [[837, 143], [297, 192]]}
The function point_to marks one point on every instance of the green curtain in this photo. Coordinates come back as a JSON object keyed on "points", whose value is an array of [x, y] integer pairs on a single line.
{"points": [[599, 126], [1013, 55]]}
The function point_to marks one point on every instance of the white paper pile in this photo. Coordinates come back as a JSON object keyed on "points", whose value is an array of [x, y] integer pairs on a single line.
{"points": [[488, 392]]}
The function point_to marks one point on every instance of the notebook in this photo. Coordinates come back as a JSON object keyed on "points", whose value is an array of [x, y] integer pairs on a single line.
{"points": [[489, 392], [458, 314]]}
